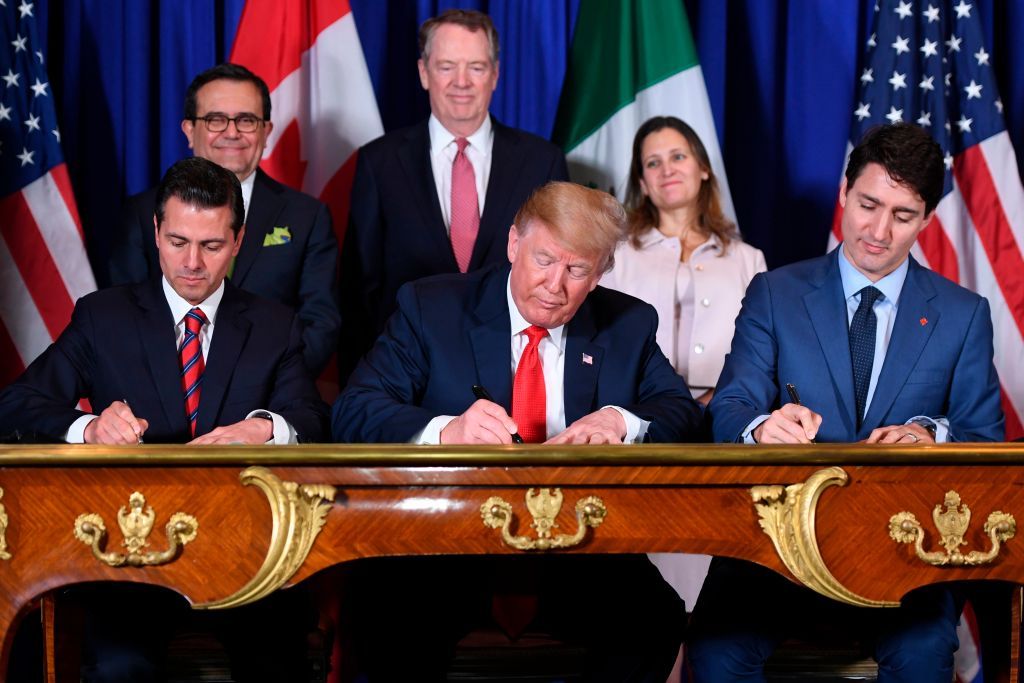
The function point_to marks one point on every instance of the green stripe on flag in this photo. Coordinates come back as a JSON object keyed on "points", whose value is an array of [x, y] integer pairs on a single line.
{"points": [[619, 48]]}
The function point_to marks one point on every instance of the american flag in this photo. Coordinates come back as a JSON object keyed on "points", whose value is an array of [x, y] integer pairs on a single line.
{"points": [[43, 264], [926, 64]]}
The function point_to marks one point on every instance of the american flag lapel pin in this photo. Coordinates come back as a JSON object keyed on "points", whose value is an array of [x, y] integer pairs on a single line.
{"points": [[588, 359]]}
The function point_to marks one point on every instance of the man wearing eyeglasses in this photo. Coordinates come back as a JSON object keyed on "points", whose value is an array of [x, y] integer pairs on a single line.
{"points": [[289, 252]]}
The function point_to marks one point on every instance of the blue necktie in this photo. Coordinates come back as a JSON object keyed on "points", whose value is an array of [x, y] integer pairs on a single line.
{"points": [[862, 347]]}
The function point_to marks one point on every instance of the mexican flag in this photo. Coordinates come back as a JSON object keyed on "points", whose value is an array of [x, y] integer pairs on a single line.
{"points": [[630, 60]]}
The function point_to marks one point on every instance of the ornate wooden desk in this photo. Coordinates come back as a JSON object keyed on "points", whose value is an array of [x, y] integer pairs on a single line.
{"points": [[226, 526]]}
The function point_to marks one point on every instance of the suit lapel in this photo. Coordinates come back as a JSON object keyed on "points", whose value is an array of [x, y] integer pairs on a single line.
{"points": [[156, 334], [490, 339], [826, 309], [264, 206], [583, 360], [908, 339], [229, 338], [414, 158], [506, 160]]}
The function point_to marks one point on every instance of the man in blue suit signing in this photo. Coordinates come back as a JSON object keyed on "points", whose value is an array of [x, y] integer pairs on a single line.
{"points": [[564, 361], [883, 350]]}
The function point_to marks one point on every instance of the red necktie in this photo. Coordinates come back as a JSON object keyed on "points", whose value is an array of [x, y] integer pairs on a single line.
{"points": [[465, 206], [529, 405], [191, 357]]}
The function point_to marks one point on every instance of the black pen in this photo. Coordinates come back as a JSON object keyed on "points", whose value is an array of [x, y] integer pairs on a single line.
{"points": [[794, 396], [485, 395], [125, 402]]}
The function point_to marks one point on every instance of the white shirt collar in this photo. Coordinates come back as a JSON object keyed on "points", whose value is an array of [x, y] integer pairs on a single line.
{"points": [[853, 280], [179, 307], [247, 186], [519, 323], [441, 137]]}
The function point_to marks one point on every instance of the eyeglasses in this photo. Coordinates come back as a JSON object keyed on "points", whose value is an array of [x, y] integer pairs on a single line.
{"points": [[218, 123]]}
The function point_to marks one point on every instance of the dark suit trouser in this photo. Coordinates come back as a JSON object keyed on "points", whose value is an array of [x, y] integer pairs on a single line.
{"points": [[745, 611], [405, 615]]}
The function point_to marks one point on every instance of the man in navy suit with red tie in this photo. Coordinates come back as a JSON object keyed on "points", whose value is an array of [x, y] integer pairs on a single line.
{"points": [[437, 197], [565, 362]]}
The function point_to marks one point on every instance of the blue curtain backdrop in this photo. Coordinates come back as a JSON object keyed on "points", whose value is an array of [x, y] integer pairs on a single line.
{"points": [[781, 76]]}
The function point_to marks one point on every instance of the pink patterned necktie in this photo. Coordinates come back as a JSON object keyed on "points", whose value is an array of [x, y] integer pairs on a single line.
{"points": [[465, 206], [192, 365]]}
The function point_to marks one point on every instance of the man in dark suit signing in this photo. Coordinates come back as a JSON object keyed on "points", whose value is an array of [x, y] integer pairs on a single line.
{"points": [[437, 197], [181, 357], [289, 252], [565, 362], [882, 350]]}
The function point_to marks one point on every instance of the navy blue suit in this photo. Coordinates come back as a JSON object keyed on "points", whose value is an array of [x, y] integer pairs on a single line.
{"points": [[396, 232], [301, 273], [453, 331], [120, 345], [793, 328]]}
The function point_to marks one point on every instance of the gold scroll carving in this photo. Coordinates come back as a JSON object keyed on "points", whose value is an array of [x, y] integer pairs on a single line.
{"points": [[136, 522], [544, 507], [952, 519]]}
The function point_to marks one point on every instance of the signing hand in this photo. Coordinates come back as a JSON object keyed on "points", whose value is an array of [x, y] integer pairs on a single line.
{"points": [[789, 424], [483, 422], [902, 434], [116, 425], [254, 430], [605, 426]]}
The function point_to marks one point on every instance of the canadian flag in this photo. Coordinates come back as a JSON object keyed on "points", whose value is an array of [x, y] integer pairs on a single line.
{"points": [[324, 109]]}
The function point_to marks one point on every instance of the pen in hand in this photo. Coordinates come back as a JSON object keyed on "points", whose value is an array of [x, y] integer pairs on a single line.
{"points": [[485, 395], [794, 396], [125, 402]]}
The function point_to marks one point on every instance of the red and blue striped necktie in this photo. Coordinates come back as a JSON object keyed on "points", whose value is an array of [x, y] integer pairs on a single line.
{"points": [[190, 355]]}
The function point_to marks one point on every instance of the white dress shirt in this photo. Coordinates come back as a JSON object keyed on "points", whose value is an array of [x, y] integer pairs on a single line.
{"points": [[284, 433], [442, 154], [552, 358], [247, 186]]}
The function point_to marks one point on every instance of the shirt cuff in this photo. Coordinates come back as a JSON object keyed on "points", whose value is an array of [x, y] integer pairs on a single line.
{"points": [[284, 434], [940, 424], [748, 434], [76, 432], [636, 428], [431, 434]]}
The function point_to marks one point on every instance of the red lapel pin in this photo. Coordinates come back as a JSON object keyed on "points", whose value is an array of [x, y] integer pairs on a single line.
{"points": [[923, 321]]}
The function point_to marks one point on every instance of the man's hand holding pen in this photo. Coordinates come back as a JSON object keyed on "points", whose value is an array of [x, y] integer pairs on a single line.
{"points": [[116, 425], [484, 422], [791, 423]]}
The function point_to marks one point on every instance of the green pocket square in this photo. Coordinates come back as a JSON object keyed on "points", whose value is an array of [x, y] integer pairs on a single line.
{"points": [[279, 236]]}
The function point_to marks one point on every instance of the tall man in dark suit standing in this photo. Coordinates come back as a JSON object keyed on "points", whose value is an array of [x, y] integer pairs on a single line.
{"points": [[181, 357], [882, 350], [437, 197], [289, 253], [565, 362]]}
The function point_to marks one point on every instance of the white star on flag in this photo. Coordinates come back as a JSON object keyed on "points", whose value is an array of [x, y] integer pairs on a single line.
{"points": [[973, 90], [948, 161], [5, 112], [999, 105], [901, 45], [930, 48], [863, 111], [964, 124], [895, 115], [11, 78], [866, 77], [32, 122], [982, 57], [932, 13], [26, 9], [39, 88], [56, 134], [898, 80], [954, 43], [927, 83], [962, 10], [26, 157], [925, 119], [871, 40], [19, 43], [903, 9]]}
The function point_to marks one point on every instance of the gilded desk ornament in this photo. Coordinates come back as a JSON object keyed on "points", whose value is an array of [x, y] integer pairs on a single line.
{"points": [[952, 519], [4, 554], [544, 506], [298, 512], [787, 515], [136, 522]]}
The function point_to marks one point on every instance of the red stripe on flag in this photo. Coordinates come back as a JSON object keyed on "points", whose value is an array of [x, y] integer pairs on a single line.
{"points": [[939, 251], [35, 263], [994, 231], [837, 222], [296, 25], [336, 195], [60, 177], [285, 163], [12, 366], [1014, 427]]}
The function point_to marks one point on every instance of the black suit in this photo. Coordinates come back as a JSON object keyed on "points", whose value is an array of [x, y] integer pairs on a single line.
{"points": [[120, 345], [301, 273], [396, 231]]}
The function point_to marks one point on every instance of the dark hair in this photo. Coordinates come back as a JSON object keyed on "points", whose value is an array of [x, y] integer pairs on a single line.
{"points": [[204, 184], [228, 72], [468, 19], [643, 215], [909, 156]]}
